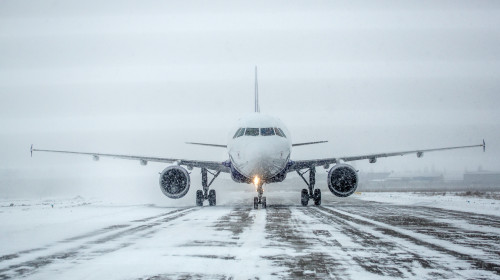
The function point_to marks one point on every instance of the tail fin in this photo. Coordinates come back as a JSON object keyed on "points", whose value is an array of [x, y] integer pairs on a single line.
{"points": [[257, 107]]}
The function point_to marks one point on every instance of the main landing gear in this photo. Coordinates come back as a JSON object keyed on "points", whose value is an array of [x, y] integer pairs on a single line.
{"points": [[202, 195], [259, 199], [314, 194]]}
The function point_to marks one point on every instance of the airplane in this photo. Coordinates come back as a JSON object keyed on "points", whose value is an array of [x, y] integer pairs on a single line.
{"points": [[259, 152]]}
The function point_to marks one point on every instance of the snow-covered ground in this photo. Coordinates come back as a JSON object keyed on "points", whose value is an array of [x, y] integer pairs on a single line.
{"points": [[458, 201], [367, 236]]}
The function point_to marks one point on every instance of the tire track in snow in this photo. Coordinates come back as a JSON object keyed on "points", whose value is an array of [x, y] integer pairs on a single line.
{"points": [[230, 239], [236, 221], [284, 232], [464, 229], [364, 206], [85, 250], [83, 236], [372, 253], [432, 243]]}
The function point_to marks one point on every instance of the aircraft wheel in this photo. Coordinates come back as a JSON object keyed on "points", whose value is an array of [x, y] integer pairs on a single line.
{"points": [[211, 198], [304, 197], [255, 203], [317, 197], [199, 198], [264, 204]]}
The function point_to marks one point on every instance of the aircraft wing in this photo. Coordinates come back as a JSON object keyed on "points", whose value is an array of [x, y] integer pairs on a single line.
{"points": [[302, 164], [212, 165], [308, 143]]}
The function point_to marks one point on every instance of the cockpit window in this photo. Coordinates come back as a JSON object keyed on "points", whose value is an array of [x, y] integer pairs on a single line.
{"points": [[282, 133], [252, 131], [237, 132], [279, 132], [267, 131], [242, 131]]}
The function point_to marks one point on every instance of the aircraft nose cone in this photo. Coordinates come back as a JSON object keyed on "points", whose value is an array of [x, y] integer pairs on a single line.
{"points": [[264, 162]]}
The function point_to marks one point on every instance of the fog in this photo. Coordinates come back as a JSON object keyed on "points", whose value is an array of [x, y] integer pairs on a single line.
{"points": [[143, 77]]}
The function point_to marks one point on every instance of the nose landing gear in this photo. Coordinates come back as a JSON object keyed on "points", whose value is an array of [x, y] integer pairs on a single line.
{"points": [[259, 199], [314, 194]]}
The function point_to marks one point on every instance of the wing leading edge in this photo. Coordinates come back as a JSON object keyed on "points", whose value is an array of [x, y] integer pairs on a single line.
{"points": [[212, 165], [301, 164], [308, 143], [207, 144]]}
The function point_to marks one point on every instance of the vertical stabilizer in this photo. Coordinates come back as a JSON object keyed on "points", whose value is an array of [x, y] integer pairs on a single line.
{"points": [[257, 107]]}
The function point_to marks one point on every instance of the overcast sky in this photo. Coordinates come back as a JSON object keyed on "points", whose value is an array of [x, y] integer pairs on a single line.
{"points": [[143, 77]]}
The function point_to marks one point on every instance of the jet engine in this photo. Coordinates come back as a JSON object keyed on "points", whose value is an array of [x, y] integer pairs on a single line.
{"points": [[174, 181], [342, 180]]}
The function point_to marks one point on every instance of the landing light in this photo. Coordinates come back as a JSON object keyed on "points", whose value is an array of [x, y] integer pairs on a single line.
{"points": [[256, 180]]}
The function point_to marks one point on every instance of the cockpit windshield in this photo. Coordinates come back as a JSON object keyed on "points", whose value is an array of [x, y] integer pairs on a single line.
{"points": [[279, 132], [265, 131], [252, 131], [268, 131], [236, 133], [239, 132]]}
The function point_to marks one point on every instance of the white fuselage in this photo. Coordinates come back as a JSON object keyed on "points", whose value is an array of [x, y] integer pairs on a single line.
{"points": [[259, 146]]}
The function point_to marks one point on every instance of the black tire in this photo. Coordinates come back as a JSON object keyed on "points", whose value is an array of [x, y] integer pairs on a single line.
{"points": [[304, 197], [211, 198], [255, 203], [317, 197], [199, 198], [264, 204]]}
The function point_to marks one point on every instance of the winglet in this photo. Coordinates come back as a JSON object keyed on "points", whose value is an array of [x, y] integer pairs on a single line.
{"points": [[31, 150], [257, 107], [484, 146]]}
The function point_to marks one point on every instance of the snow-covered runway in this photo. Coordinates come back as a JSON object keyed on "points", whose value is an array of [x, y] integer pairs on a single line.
{"points": [[349, 238]]}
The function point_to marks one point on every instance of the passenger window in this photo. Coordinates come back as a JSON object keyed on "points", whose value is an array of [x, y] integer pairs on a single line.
{"points": [[279, 132], [237, 132], [267, 131], [252, 131]]}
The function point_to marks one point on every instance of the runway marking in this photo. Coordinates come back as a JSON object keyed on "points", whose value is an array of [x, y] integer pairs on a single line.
{"points": [[25, 268], [420, 239]]}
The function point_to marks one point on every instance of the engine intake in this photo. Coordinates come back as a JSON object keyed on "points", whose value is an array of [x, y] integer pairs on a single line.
{"points": [[342, 180], [174, 181]]}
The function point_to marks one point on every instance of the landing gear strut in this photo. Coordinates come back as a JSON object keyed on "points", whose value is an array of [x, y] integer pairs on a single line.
{"points": [[259, 199], [202, 195], [314, 194]]}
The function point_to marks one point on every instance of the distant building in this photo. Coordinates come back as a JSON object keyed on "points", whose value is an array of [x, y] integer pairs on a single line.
{"points": [[482, 177], [417, 178], [373, 176]]}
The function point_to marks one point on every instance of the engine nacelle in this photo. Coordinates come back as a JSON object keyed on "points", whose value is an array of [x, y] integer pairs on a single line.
{"points": [[342, 180], [174, 181]]}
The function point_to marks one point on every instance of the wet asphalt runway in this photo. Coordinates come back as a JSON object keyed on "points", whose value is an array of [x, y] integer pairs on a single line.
{"points": [[342, 239]]}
